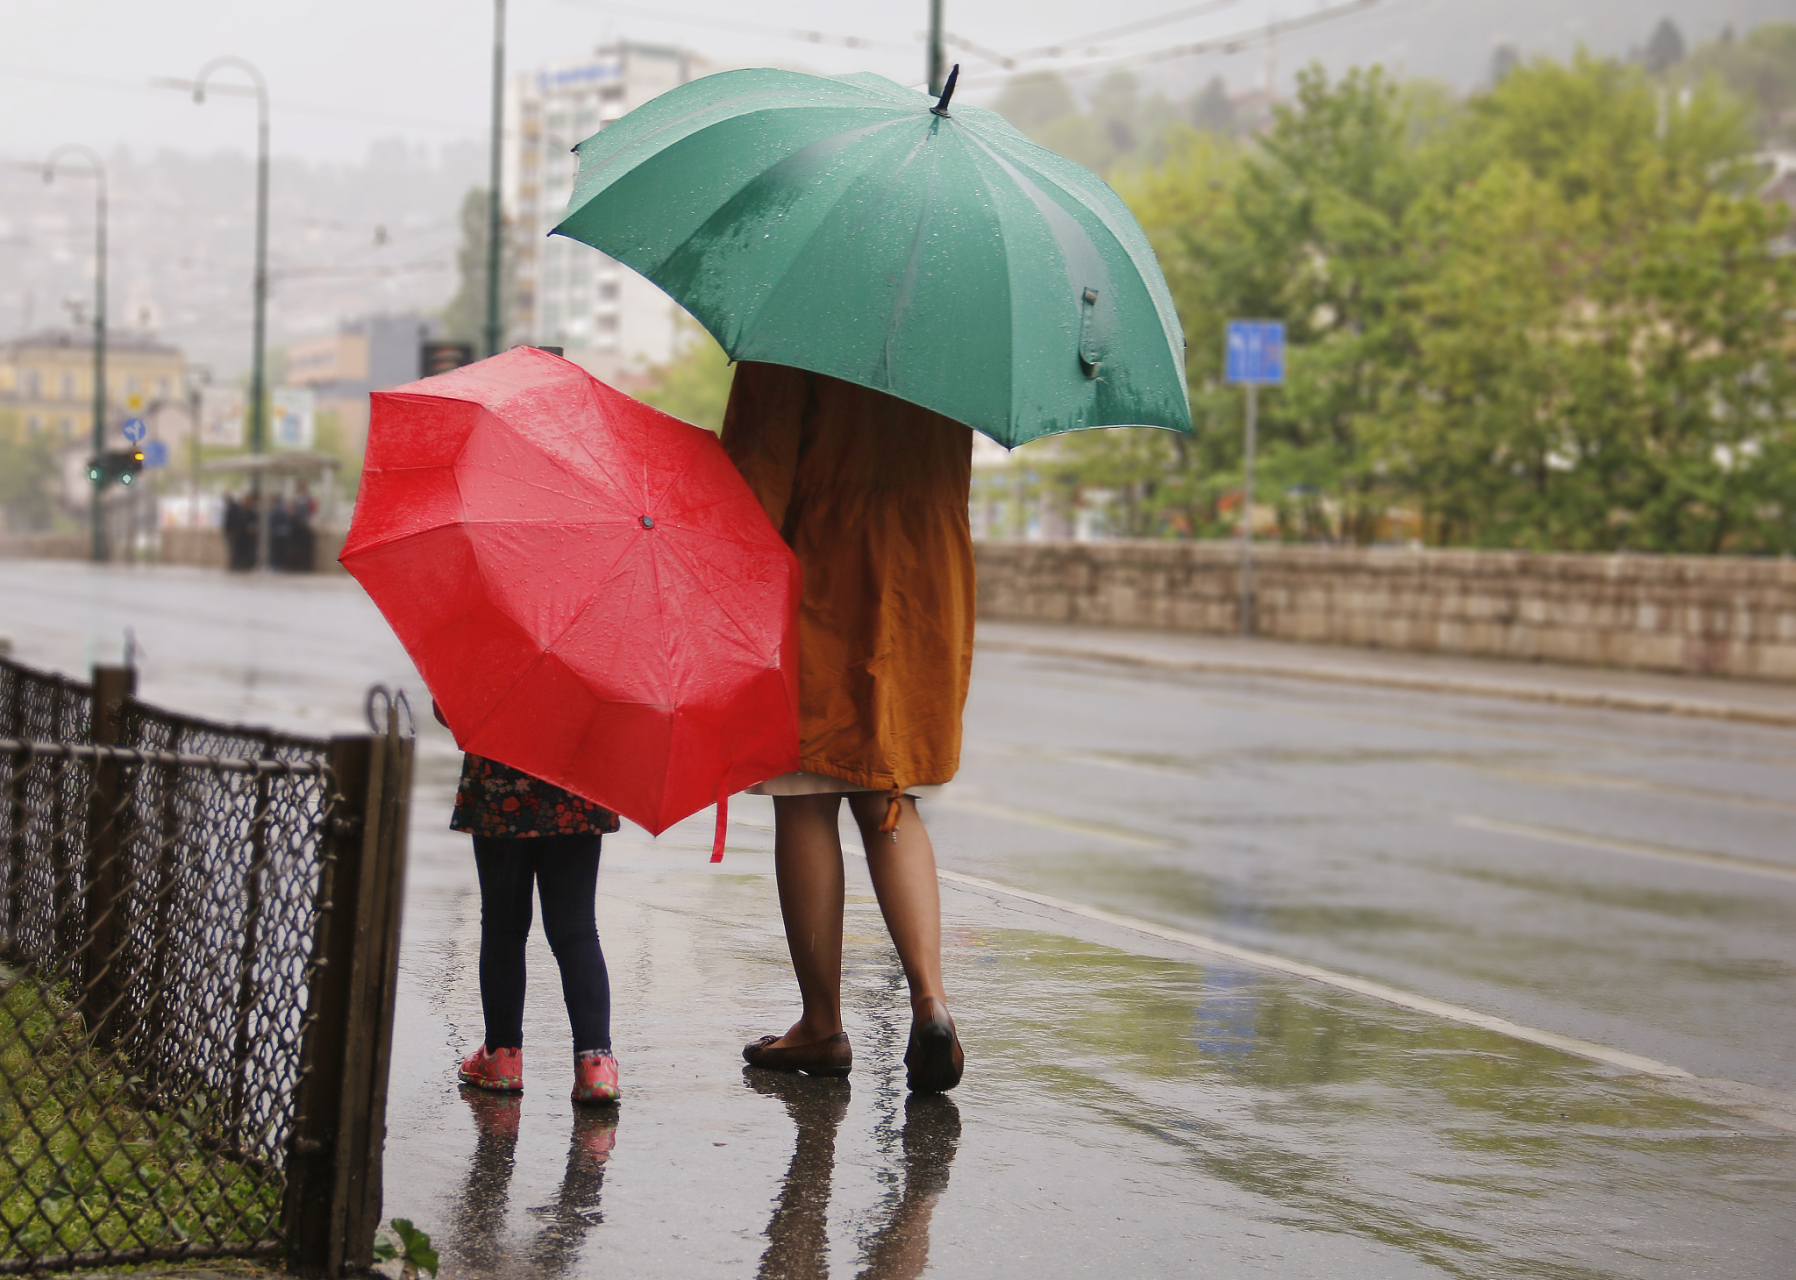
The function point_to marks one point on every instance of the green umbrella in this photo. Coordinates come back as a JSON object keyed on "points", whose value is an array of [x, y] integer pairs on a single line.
{"points": [[846, 226]]}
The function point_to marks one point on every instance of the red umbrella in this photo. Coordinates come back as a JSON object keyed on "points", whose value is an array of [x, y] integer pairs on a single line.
{"points": [[588, 588]]}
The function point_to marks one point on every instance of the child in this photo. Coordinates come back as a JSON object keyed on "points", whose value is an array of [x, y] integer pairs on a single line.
{"points": [[529, 832]]}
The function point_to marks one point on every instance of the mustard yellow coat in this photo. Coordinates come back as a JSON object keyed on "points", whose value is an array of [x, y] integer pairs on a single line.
{"points": [[871, 493]]}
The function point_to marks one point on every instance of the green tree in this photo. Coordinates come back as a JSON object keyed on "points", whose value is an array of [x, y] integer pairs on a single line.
{"points": [[695, 385], [1759, 70], [464, 318], [1324, 207], [1548, 317], [1597, 328], [1187, 208], [1212, 109]]}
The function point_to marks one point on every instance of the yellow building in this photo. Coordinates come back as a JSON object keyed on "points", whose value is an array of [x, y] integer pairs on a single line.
{"points": [[46, 382]]}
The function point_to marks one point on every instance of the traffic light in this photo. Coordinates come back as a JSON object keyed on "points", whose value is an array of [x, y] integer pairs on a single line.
{"points": [[121, 465]]}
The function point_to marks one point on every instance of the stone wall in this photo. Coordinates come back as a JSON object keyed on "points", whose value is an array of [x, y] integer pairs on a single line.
{"points": [[1717, 615]]}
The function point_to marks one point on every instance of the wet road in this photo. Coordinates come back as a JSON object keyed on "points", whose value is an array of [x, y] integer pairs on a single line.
{"points": [[1137, 1101]]}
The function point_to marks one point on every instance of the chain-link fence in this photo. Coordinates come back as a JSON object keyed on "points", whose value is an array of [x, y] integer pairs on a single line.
{"points": [[165, 892]]}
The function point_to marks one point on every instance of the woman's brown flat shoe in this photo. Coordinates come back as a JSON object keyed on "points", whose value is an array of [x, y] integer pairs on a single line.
{"points": [[830, 1057], [934, 1061]]}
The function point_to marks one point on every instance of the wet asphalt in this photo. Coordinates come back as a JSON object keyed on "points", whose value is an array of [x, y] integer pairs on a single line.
{"points": [[1140, 1099]]}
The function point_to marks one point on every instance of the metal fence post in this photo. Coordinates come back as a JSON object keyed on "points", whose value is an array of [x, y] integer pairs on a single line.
{"points": [[103, 938], [12, 723], [333, 1200]]}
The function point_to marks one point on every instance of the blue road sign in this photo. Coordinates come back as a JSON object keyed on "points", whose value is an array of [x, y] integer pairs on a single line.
{"points": [[135, 429], [1256, 352], [155, 453]]}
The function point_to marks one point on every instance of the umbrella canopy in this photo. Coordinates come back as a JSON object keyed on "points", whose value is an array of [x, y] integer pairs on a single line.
{"points": [[845, 226], [588, 588]]}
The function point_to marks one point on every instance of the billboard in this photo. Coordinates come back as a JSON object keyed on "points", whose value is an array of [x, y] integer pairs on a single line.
{"points": [[292, 425], [221, 417]]}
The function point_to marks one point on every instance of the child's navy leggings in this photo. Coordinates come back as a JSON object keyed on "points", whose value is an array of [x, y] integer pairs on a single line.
{"points": [[565, 870]]}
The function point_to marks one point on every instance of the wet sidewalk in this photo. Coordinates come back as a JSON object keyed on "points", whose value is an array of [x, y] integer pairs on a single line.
{"points": [[1131, 1107]]}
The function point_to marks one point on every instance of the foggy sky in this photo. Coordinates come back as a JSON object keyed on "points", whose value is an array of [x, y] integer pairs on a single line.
{"points": [[426, 63]]}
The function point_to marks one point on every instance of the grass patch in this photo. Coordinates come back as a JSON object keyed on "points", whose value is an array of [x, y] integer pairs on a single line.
{"points": [[84, 1165]]}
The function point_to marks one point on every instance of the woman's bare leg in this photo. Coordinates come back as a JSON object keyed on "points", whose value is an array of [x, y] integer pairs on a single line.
{"points": [[807, 857], [909, 897]]}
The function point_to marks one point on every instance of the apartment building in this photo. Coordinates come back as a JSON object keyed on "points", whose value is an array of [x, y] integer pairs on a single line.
{"points": [[372, 353], [46, 381], [604, 315]]}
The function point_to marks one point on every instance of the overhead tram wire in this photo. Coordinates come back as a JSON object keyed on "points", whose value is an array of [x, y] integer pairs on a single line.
{"points": [[800, 35], [1065, 48], [1233, 43]]}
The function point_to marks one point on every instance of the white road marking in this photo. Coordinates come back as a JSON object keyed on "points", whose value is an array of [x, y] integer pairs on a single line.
{"points": [[1635, 848], [1345, 982]]}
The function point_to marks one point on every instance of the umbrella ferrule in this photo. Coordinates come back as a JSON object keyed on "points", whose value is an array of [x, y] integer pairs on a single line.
{"points": [[941, 105]]}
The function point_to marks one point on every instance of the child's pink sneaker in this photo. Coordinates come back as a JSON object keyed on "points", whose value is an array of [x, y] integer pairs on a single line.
{"points": [[498, 1070], [595, 1076]]}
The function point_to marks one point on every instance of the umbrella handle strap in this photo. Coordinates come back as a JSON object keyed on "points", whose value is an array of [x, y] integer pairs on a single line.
{"points": [[894, 810], [723, 822]]}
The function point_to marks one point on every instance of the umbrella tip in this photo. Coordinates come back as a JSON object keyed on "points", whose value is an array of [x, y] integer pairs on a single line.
{"points": [[941, 106]]}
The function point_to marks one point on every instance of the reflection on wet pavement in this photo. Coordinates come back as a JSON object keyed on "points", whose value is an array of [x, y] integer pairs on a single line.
{"points": [[798, 1232], [477, 1234]]}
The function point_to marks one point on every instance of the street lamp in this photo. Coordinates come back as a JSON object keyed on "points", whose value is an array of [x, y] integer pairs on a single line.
{"points": [[494, 330], [258, 410], [98, 549], [936, 60]]}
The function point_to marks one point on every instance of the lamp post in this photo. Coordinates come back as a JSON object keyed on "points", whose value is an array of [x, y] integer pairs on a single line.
{"points": [[494, 330], [258, 392], [98, 549], [936, 60]]}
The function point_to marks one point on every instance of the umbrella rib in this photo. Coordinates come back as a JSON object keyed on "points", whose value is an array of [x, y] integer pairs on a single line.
{"points": [[725, 111], [901, 304], [774, 286], [549, 646], [598, 406], [1026, 182], [742, 631]]}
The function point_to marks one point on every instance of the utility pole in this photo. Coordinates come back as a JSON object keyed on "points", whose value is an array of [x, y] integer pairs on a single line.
{"points": [[258, 390], [1247, 489], [1254, 358], [936, 60], [495, 331], [97, 550]]}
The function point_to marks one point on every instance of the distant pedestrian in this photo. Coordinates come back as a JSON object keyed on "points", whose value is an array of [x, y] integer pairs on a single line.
{"points": [[240, 532], [528, 834], [280, 531], [301, 540]]}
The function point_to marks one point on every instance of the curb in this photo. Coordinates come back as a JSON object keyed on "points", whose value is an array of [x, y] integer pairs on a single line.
{"points": [[1415, 684]]}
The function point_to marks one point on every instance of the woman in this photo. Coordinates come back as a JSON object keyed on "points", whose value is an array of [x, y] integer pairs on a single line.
{"points": [[870, 492], [527, 832]]}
